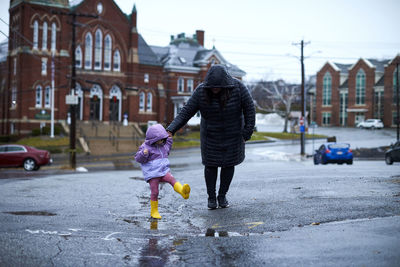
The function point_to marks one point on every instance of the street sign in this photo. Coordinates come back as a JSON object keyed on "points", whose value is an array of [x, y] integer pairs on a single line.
{"points": [[71, 99]]}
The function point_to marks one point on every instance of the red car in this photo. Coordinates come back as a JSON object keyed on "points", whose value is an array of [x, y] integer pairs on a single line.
{"points": [[20, 155]]}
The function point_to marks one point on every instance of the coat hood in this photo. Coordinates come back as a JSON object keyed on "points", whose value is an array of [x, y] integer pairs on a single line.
{"points": [[218, 77], [155, 133]]}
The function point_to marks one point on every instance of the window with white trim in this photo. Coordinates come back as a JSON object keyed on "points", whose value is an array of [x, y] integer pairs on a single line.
{"points": [[13, 96], [360, 87], [141, 101], [107, 52], [35, 34], [44, 66], [47, 93], [117, 61], [327, 90], [190, 85], [78, 57], [15, 66], [44, 36], [181, 84], [38, 102], [53, 36], [326, 118], [395, 79], [149, 102], [88, 51], [98, 49], [146, 78]]}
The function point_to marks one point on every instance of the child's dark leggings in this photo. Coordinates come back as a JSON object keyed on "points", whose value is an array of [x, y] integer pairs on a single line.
{"points": [[211, 173]]}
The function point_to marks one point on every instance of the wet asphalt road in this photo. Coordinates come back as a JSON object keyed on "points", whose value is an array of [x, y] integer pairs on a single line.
{"points": [[284, 212]]}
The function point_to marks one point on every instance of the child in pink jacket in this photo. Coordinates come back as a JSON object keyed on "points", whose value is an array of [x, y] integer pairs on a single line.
{"points": [[153, 158]]}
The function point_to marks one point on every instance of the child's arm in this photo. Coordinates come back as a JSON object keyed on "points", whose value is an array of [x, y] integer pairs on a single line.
{"points": [[168, 144], [142, 155]]}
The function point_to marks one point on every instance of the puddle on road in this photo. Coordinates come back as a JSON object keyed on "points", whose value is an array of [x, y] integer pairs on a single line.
{"points": [[137, 178], [31, 213]]}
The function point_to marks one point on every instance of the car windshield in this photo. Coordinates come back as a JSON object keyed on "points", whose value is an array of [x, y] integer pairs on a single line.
{"points": [[333, 146]]}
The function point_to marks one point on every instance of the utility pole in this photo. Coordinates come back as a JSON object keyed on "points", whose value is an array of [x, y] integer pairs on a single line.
{"points": [[72, 107], [52, 96], [397, 96], [303, 100]]}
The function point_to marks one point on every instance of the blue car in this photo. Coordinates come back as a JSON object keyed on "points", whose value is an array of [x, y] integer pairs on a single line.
{"points": [[333, 153]]}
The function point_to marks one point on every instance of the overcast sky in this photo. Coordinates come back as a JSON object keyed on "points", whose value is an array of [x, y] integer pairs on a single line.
{"points": [[258, 36]]}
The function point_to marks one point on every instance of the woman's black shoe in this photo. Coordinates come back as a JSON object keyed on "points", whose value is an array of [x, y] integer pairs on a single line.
{"points": [[223, 202], [212, 203]]}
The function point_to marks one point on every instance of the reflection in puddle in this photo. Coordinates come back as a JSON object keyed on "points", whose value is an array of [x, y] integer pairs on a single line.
{"points": [[33, 213], [213, 233], [154, 225]]}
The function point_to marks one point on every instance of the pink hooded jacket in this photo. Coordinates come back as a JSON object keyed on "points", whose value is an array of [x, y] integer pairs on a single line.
{"points": [[155, 163]]}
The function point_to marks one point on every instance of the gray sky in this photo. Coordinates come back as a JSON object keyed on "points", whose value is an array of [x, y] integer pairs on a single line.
{"points": [[258, 35]]}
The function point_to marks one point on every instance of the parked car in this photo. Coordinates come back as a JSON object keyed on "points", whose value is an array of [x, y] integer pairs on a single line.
{"points": [[333, 153], [371, 124], [23, 156], [393, 154]]}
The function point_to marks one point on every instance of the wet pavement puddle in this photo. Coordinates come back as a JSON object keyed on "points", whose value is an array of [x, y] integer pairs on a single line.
{"points": [[31, 213]]}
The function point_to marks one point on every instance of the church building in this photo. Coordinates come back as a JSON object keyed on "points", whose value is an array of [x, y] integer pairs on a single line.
{"points": [[117, 74]]}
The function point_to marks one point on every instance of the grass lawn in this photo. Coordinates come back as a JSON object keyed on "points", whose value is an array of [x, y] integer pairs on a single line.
{"points": [[53, 145], [192, 139]]}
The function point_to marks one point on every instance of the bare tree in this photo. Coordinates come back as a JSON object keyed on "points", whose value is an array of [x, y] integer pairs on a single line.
{"points": [[279, 93], [264, 99]]}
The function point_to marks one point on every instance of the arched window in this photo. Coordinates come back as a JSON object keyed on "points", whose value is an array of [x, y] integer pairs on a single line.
{"points": [[149, 102], [117, 61], [78, 57], [98, 49], [44, 39], [88, 51], [327, 90], [107, 52], [141, 101], [35, 34], [38, 103], [53, 36], [190, 85], [181, 84], [47, 93], [395, 79], [360, 87]]}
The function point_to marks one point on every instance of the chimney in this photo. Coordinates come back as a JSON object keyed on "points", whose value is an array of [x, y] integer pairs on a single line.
{"points": [[200, 37]]}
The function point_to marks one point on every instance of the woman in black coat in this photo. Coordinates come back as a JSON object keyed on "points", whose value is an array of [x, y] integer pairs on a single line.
{"points": [[227, 121]]}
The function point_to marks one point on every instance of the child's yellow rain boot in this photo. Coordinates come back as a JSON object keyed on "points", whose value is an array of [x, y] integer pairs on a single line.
{"points": [[154, 210], [184, 190]]}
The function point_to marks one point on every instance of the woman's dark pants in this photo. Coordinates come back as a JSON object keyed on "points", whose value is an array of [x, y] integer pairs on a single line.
{"points": [[211, 173]]}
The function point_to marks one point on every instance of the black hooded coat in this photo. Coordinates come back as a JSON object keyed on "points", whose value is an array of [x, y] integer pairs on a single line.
{"points": [[223, 128]]}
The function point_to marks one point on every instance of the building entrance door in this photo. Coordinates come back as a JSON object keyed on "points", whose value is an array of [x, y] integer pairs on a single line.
{"points": [[95, 108], [359, 117], [114, 109]]}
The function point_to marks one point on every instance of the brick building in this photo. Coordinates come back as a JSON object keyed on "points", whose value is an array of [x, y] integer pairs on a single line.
{"points": [[349, 93], [117, 72]]}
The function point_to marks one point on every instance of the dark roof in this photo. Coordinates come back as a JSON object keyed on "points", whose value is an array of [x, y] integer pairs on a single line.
{"points": [[50, 3], [379, 64], [344, 84], [344, 68], [146, 54], [381, 81]]}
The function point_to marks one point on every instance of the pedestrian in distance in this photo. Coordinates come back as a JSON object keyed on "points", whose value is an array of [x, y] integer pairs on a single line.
{"points": [[153, 158], [227, 121]]}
